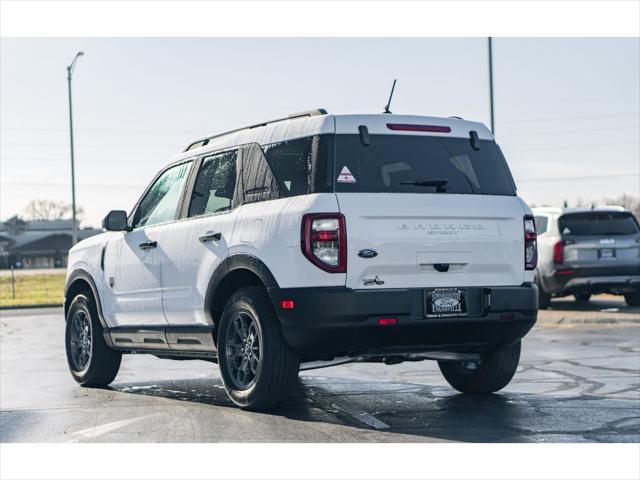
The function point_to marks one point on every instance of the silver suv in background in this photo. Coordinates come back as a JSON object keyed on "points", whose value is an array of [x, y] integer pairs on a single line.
{"points": [[586, 251]]}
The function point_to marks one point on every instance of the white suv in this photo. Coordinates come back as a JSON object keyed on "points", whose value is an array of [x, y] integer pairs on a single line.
{"points": [[311, 240]]}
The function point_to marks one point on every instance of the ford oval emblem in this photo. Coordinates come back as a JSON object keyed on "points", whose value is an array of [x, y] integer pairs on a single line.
{"points": [[367, 253]]}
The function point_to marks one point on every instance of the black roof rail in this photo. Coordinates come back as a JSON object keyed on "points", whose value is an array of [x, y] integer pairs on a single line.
{"points": [[307, 113]]}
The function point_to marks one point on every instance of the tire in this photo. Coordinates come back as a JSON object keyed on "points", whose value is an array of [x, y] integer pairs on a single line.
{"points": [[582, 297], [544, 299], [255, 377], [632, 299], [492, 373], [100, 364]]}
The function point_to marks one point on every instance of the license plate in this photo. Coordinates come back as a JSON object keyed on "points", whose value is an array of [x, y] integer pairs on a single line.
{"points": [[445, 302], [606, 253]]}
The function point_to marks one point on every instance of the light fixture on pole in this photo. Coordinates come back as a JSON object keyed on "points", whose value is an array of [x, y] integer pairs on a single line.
{"points": [[74, 226]]}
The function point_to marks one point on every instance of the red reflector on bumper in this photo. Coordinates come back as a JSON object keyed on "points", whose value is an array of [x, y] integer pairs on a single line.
{"points": [[564, 272], [287, 304], [385, 322]]}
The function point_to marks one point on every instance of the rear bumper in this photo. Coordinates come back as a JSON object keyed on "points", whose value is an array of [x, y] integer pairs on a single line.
{"points": [[593, 280], [329, 322], [596, 284]]}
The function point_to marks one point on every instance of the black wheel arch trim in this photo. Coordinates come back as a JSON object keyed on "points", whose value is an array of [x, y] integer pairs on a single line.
{"points": [[233, 263], [82, 274]]}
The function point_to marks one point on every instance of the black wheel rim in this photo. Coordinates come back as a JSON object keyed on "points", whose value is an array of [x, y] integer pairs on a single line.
{"points": [[80, 340], [243, 350]]}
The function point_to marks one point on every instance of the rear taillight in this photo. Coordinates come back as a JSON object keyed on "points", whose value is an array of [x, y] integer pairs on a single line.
{"points": [[530, 244], [558, 252], [324, 241]]}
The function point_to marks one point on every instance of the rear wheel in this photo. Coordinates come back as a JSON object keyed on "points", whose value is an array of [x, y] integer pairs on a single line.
{"points": [[582, 297], [491, 373], [632, 299], [259, 370], [91, 362]]}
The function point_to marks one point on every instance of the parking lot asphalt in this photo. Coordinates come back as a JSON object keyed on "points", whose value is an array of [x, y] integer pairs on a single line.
{"points": [[578, 381]]}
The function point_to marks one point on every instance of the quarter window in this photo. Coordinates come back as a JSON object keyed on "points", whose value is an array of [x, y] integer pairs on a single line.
{"points": [[160, 203], [303, 165], [215, 185]]}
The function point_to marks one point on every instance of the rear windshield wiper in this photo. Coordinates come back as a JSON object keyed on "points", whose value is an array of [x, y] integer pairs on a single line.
{"points": [[439, 183]]}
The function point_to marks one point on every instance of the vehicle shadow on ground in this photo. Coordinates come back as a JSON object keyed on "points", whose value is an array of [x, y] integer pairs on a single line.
{"points": [[434, 413]]}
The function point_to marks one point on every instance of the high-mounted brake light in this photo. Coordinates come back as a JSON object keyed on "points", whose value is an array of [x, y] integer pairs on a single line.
{"points": [[530, 244], [324, 241], [411, 127], [558, 252]]}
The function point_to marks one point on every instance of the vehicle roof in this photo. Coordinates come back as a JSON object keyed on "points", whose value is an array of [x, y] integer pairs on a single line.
{"points": [[309, 124], [562, 211]]}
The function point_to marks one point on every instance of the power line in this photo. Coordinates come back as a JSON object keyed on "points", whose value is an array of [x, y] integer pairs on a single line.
{"points": [[584, 177], [563, 147]]}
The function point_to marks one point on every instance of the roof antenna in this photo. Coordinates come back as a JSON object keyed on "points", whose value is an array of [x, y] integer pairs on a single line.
{"points": [[393, 87]]}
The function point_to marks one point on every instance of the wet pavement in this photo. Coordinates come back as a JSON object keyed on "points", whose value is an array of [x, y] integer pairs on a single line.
{"points": [[577, 382]]}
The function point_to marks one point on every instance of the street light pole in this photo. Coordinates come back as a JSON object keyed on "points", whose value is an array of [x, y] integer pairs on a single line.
{"points": [[74, 226], [493, 126]]}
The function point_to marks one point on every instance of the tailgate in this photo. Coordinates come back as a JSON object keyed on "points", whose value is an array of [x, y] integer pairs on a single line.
{"points": [[433, 240]]}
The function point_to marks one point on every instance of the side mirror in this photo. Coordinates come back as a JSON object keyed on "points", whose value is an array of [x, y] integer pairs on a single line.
{"points": [[115, 221]]}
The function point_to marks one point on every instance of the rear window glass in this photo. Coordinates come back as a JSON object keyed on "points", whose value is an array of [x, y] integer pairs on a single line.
{"points": [[420, 164], [598, 223]]}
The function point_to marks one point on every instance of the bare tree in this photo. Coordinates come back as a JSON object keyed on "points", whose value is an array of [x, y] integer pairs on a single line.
{"points": [[42, 209], [627, 201]]}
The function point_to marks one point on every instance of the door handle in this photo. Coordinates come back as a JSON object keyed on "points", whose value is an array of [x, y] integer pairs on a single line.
{"points": [[207, 237], [147, 245]]}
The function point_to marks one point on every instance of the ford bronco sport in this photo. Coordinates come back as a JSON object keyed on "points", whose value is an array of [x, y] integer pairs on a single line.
{"points": [[312, 240]]}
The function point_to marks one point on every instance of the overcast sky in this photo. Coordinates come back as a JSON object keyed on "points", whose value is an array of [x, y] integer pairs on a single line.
{"points": [[567, 110]]}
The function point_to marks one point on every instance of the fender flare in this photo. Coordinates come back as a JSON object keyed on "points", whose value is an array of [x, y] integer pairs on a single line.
{"points": [[233, 263], [82, 274]]}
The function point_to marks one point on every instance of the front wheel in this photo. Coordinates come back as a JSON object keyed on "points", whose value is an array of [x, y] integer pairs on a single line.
{"points": [[259, 370], [91, 362], [632, 299], [492, 372]]}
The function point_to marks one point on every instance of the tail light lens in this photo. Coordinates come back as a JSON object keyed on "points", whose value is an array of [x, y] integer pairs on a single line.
{"points": [[558, 252], [324, 241], [530, 244]]}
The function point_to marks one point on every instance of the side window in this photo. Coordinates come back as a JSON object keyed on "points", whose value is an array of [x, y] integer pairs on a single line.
{"points": [[160, 203], [258, 181], [291, 164], [304, 165], [215, 184], [542, 224]]}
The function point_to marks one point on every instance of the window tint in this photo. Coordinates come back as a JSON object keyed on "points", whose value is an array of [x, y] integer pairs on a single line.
{"points": [[215, 185], [598, 223], [258, 181], [412, 164], [160, 203], [302, 166], [541, 224]]}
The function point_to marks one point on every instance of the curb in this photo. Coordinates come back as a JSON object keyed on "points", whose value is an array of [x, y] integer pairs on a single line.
{"points": [[24, 307]]}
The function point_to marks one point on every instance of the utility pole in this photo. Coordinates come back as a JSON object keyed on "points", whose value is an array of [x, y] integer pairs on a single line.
{"points": [[74, 226], [493, 126]]}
